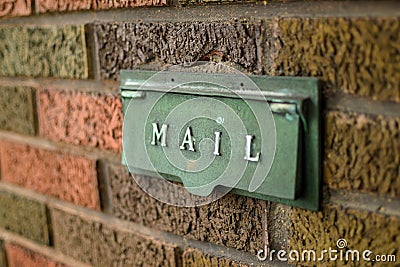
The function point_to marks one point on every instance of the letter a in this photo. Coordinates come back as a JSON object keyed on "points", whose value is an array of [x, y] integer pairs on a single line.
{"points": [[188, 140]]}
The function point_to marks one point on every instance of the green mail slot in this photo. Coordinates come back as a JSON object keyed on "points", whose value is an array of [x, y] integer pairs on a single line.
{"points": [[255, 136]]}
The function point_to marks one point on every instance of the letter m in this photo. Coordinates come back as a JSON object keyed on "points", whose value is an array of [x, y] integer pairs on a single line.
{"points": [[159, 135]]}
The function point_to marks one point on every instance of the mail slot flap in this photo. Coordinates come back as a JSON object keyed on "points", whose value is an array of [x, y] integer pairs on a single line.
{"points": [[284, 177], [194, 132]]}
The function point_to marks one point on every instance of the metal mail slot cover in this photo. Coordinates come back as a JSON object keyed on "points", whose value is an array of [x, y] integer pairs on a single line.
{"points": [[213, 131]]}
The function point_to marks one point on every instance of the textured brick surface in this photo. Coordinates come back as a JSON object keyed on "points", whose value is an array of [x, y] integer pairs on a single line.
{"points": [[16, 110], [192, 2], [196, 258], [360, 56], [47, 51], [68, 177], [362, 231], [362, 153], [129, 45], [18, 256], [81, 118], [43, 6], [11, 8], [100, 244], [233, 221], [3, 259], [24, 216]]}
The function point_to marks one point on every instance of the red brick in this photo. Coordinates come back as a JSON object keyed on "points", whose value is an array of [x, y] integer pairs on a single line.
{"points": [[15, 8], [43, 6], [81, 118], [65, 176], [18, 256]]}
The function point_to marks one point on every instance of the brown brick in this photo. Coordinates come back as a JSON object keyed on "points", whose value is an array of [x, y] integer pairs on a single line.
{"points": [[197, 258], [19, 256], [3, 259], [362, 153], [197, 2], [233, 221], [362, 231], [43, 6], [360, 56], [81, 118], [65, 176], [15, 8], [98, 243], [128, 45], [43, 51], [24, 216], [16, 110]]}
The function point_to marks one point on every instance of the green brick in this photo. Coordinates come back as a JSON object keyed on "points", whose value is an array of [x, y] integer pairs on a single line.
{"points": [[24, 217], [16, 110], [46, 51], [361, 229], [359, 56]]}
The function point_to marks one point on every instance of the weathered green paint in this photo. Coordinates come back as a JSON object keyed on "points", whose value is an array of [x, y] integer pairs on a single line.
{"points": [[294, 176]]}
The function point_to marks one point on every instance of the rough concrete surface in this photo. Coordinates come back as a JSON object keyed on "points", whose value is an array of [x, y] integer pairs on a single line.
{"points": [[43, 51], [68, 177], [81, 118], [24, 217], [362, 153], [16, 110], [100, 244]]}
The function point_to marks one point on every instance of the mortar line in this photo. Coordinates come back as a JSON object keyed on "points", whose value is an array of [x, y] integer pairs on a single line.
{"points": [[106, 86], [338, 101], [42, 143], [362, 105], [371, 202], [209, 13]]}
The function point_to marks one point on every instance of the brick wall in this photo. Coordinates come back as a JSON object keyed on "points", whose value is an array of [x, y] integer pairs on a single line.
{"points": [[65, 199]]}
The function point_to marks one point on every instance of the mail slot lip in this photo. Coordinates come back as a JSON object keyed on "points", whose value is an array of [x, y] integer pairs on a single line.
{"points": [[277, 106], [245, 95], [276, 89], [303, 93]]}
